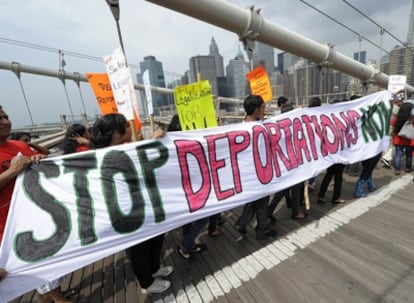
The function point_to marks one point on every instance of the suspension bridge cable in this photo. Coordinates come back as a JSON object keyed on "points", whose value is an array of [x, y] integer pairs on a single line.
{"points": [[343, 25], [373, 21]]}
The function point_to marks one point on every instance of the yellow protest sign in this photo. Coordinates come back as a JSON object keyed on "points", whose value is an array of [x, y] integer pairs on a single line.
{"points": [[259, 83], [195, 106]]}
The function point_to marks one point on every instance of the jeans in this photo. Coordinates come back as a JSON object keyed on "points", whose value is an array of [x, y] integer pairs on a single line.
{"points": [[190, 233], [399, 149]]}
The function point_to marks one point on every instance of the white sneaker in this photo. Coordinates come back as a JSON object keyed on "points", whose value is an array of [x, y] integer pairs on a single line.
{"points": [[157, 287], [163, 272]]}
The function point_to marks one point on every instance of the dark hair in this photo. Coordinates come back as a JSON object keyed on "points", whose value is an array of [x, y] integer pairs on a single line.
{"points": [[315, 101], [251, 102], [404, 114], [174, 124], [286, 108], [19, 135], [281, 101], [104, 128], [69, 145]]}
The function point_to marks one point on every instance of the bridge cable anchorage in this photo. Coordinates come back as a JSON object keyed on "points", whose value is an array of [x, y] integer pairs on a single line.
{"points": [[252, 31], [15, 67]]}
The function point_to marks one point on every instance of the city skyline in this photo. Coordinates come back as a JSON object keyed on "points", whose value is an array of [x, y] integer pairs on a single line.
{"points": [[87, 28]]}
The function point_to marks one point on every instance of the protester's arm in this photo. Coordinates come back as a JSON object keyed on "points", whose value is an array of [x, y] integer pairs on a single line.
{"points": [[40, 149], [159, 133], [17, 165]]}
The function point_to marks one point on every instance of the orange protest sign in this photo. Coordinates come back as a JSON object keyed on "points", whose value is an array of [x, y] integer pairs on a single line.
{"points": [[102, 88], [259, 83]]}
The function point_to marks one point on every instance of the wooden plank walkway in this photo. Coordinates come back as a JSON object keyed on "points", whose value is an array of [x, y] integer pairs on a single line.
{"points": [[357, 252]]}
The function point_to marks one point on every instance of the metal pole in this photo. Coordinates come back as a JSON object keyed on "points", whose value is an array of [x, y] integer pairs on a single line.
{"points": [[242, 22]]}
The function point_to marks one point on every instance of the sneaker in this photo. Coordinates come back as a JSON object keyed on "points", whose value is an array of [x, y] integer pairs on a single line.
{"points": [[241, 230], [267, 234], [198, 248], [185, 254], [163, 272], [386, 163], [397, 172], [157, 287]]}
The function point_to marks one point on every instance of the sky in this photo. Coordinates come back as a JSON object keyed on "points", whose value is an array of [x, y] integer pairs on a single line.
{"points": [[87, 27]]}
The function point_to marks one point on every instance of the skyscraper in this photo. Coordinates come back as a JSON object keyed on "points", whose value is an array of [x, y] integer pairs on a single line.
{"points": [[236, 76], [156, 75], [204, 66], [263, 54], [410, 35], [218, 59]]}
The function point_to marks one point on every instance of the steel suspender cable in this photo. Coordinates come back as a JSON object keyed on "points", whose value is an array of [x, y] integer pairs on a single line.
{"points": [[16, 70], [343, 25], [80, 93]]}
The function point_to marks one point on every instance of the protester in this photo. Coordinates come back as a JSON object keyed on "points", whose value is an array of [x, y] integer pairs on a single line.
{"points": [[314, 102], [402, 145], [254, 107], [365, 177], [188, 246], [334, 171], [114, 129], [76, 139], [294, 194], [390, 151], [27, 138], [15, 157]]}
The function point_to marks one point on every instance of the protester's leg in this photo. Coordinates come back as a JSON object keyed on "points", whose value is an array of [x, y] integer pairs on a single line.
{"points": [[325, 183], [297, 195], [397, 159], [339, 169], [408, 158], [187, 242], [52, 290], [275, 201], [247, 215], [261, 213], [139, 256], [155, 252]]}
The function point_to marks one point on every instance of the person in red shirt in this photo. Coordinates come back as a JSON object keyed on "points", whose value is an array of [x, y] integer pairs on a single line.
{"points": [[402, 145], [15, 157]]}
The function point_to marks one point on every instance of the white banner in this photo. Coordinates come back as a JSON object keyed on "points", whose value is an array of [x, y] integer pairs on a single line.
{"points": [[148, 93], [121, 83], [70, 211]]}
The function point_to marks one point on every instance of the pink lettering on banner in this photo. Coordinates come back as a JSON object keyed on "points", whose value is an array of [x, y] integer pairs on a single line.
{"points": [[299, 139], [275, 136], [187, 148], [353, 117], [264, 173], [328, 127], [215, 165], [285, 124], [238, 141], [311, 136]]}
